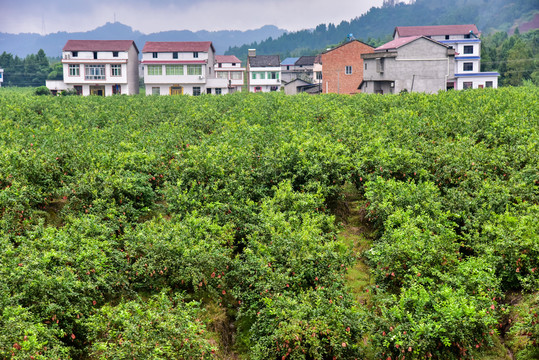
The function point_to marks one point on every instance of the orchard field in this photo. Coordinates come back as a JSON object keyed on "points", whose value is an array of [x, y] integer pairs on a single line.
{"points": [[211, 227]]}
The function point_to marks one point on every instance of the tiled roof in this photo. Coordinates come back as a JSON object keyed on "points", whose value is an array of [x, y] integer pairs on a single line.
{"points": [[227, 59], [264, 61], [289, 61], [397, 43], [98, 45], [305, 61], [346, 43], [318, 59], [177, 46], [436, 30]]}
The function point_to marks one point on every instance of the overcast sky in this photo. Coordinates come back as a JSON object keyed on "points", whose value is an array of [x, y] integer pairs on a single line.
{"points": [[150, 16]]}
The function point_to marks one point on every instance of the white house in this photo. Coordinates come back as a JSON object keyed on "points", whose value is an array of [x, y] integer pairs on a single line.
{"points": [[465, 40], [229, 68], [264, 72], [1, 77], [181, 67], [101, 67]]}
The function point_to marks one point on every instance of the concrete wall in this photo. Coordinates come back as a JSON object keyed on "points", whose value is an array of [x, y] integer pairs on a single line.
{"points": [[420, 66]]}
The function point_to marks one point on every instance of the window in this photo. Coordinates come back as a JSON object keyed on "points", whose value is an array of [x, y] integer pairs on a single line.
{"points": [[236, 75], [258, 88], [74, 70], [75, 53], [447, 37], [218, 91], [174, 69], [194, 70], [348, 70], [154, 55], [468, 49], [489, 84], [274, 75], [380, 65], [156, 91], [220, 65], [365, 66], [95, 55], [274, 88], [174, 55], [261, 75], [115, 54], [116, 89], [467, 85], [467, 36], [222, 75], [468, 66], [319, 75], [233, 64], [155, 70], [116, 70], [78, 89], [196, 90], [94, 72], [195, 54]]}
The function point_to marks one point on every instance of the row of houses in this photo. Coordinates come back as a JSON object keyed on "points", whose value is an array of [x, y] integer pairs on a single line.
{"points": [[419, 58]]}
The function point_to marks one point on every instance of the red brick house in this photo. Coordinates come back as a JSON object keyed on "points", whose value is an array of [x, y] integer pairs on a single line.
{"points": [[342, 69]]}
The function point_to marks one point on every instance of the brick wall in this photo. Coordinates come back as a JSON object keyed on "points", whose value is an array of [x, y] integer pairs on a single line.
{"points": [[334, 62]]}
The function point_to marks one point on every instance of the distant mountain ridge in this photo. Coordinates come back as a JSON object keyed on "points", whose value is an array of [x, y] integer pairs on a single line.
{"points": [[28, 43]]}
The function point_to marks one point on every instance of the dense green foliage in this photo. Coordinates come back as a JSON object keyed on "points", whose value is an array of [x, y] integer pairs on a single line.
{"points": [[124, 220], [516, 57], [33, 70], [376, 26]]}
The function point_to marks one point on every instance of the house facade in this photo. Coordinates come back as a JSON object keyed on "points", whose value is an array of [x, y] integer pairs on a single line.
{"points": [[264, 72], [181, 67], [100, 67], [342, 69], [1, 77], [298, 68], [229, 68], [464, 39], [415, 63]]}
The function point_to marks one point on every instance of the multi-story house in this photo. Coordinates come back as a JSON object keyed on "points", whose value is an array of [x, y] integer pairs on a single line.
{"points": [[342, 71], [288, 69], [264, 72], [181, 67], [464, 39], [298, 68], [317, 71], [229, 68], [415, 63], [101, 67]]}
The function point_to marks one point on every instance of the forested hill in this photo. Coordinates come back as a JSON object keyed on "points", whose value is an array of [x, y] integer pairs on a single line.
{"points": [[377, 25]]}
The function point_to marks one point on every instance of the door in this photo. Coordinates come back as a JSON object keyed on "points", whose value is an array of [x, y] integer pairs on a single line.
{"points": [[176, 90], [97, 90]]}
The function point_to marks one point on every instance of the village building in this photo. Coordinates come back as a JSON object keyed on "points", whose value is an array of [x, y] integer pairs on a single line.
{"points": [[229, 68], [1, 77], [264, 72], [342, 69], [181, 67], [99, 67], [415, 63], [464, 39]]}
